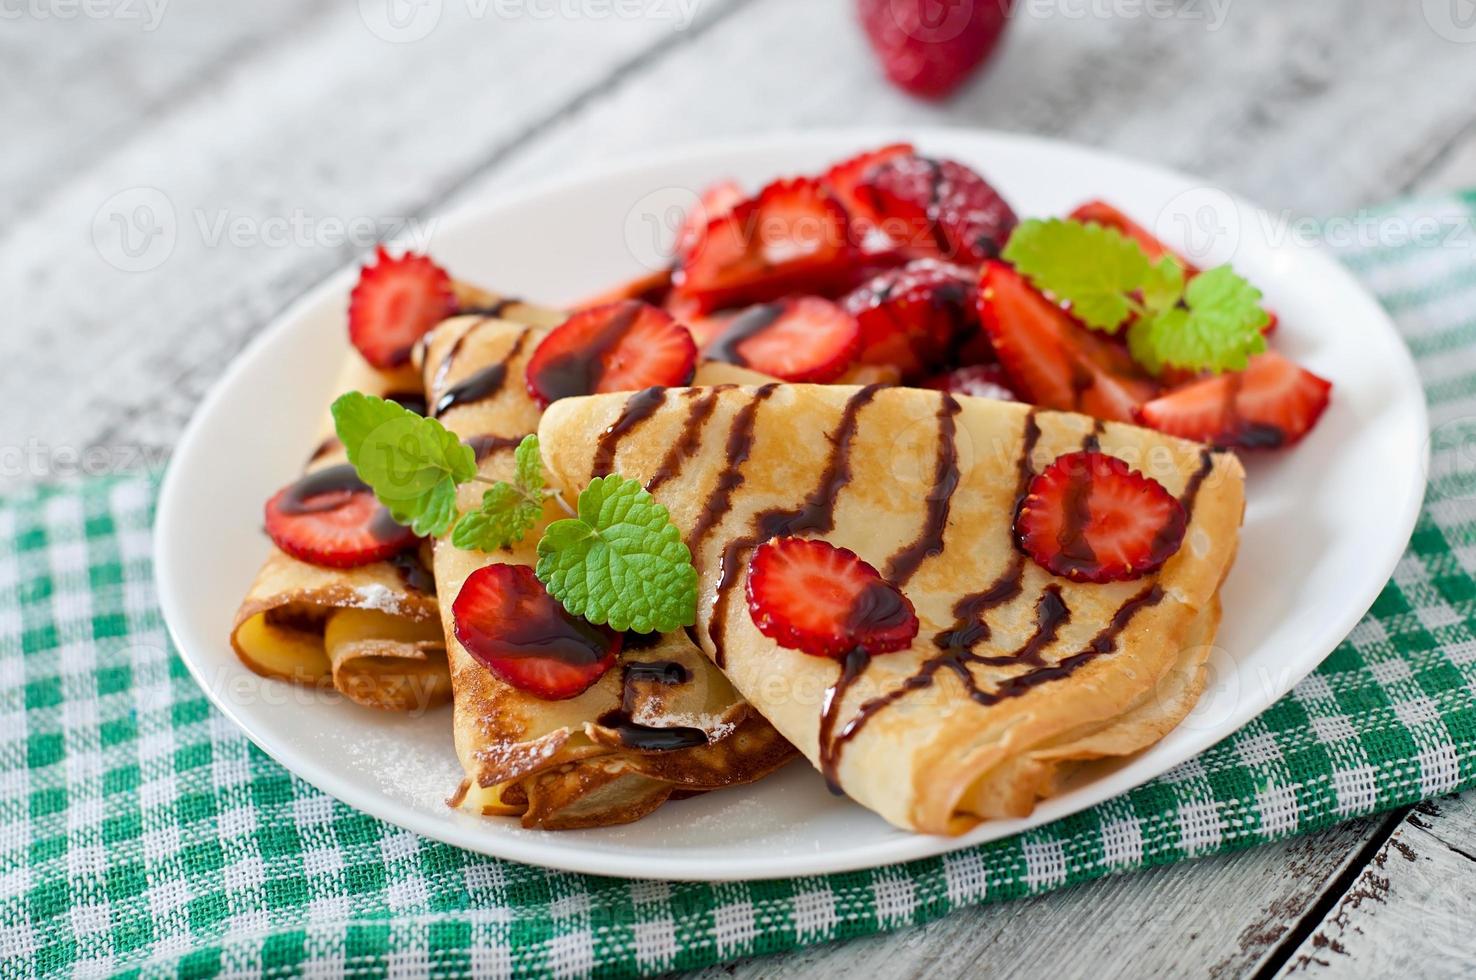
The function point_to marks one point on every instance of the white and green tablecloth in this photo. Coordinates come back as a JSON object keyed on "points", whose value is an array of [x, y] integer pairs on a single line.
{"points": [[141, 833]]}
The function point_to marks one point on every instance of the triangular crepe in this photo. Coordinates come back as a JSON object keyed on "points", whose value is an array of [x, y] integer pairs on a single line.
{"points": [[565, 764], [999, 696], [371, 632]]}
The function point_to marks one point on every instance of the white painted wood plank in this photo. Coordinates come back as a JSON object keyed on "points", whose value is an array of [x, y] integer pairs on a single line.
{"points": [[1312, 106], [335, 125], [1412, 911], [74, 84], [1218, 917]]}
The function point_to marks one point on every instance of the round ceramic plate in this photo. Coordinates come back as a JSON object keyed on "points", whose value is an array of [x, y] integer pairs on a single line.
{"points": [[1325, 525]]}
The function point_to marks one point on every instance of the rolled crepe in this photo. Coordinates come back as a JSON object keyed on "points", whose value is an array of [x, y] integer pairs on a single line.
{"points": [[1016, 675], [371, 632], [663, 721]]}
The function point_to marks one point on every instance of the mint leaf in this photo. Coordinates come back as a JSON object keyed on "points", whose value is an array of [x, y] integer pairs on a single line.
{"points": [[412, 464], [506, 516], [529, 463], [509, 511], [1219, 327], [1164, 286], [1094, 268], [621, 562]]}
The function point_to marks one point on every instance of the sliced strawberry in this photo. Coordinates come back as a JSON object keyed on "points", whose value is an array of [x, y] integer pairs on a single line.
{"points": [[937, 208], [651, 288], [928, 47], [1090, 518], [511, 625], [626, 346], [913, 317], [1272, 403], [330, 518], [1052, 361], [801, 339], [843, 179], [825, 601], [718, 201], [793, 237], [976, 381], [396, 302]]}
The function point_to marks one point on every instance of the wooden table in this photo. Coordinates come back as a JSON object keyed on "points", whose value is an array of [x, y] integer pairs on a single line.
{"points": [[259, 125]]}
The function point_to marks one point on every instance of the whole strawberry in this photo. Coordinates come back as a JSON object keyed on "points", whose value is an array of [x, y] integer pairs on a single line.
{"points": [[930, 47]]}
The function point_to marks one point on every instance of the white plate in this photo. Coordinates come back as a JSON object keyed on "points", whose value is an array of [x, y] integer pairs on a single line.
{"points": [[1326, 523]]}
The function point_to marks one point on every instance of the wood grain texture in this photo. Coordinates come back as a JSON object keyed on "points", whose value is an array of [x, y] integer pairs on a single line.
{"points": [[331, 125], [1411, 910], [1218, 917], [278, 109]]}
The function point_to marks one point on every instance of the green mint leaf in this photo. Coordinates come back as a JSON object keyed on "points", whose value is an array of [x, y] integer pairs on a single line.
{"points": [[412, 464], [1164, 286], [1218, 328], [1094, 268], [529, 466], [506, 515], [621, 562]]}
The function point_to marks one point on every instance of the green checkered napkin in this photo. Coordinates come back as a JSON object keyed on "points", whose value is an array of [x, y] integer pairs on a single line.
{"points": [[141, 833]]}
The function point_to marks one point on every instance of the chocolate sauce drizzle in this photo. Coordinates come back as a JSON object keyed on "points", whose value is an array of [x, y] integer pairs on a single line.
{"points": [[413, 401], [815, 515], [639, 407], [492, 312], [690, 439], [739, 445], [929, 542], [648, 738], [413, 571], [479, 385], [484, 447], [748, 324], [956, 645]]}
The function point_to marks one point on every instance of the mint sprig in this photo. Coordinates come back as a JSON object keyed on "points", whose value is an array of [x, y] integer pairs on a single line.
{"points": [[620, 562], [509, 510], [1213, 322], [413, 464]]}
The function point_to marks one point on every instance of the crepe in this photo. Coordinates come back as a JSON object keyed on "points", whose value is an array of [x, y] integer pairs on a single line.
{"points": [[664, 721], [1016, 675], [371, 632]]}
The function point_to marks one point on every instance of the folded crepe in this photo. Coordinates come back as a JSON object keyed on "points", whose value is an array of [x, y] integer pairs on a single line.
{"points": [[663, 722], [372, 632], [1016, 675]]}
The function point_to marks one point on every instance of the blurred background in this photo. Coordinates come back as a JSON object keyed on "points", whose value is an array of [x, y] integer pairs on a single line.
{"points": [[176, 172]]}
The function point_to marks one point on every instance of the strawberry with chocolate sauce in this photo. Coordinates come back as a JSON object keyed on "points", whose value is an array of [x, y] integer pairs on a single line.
{"points": [[331, 518], [1089, 517], [801, 340], [936, 208], [793, 237], [825, 601], [511, 625], [623, 346]]}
